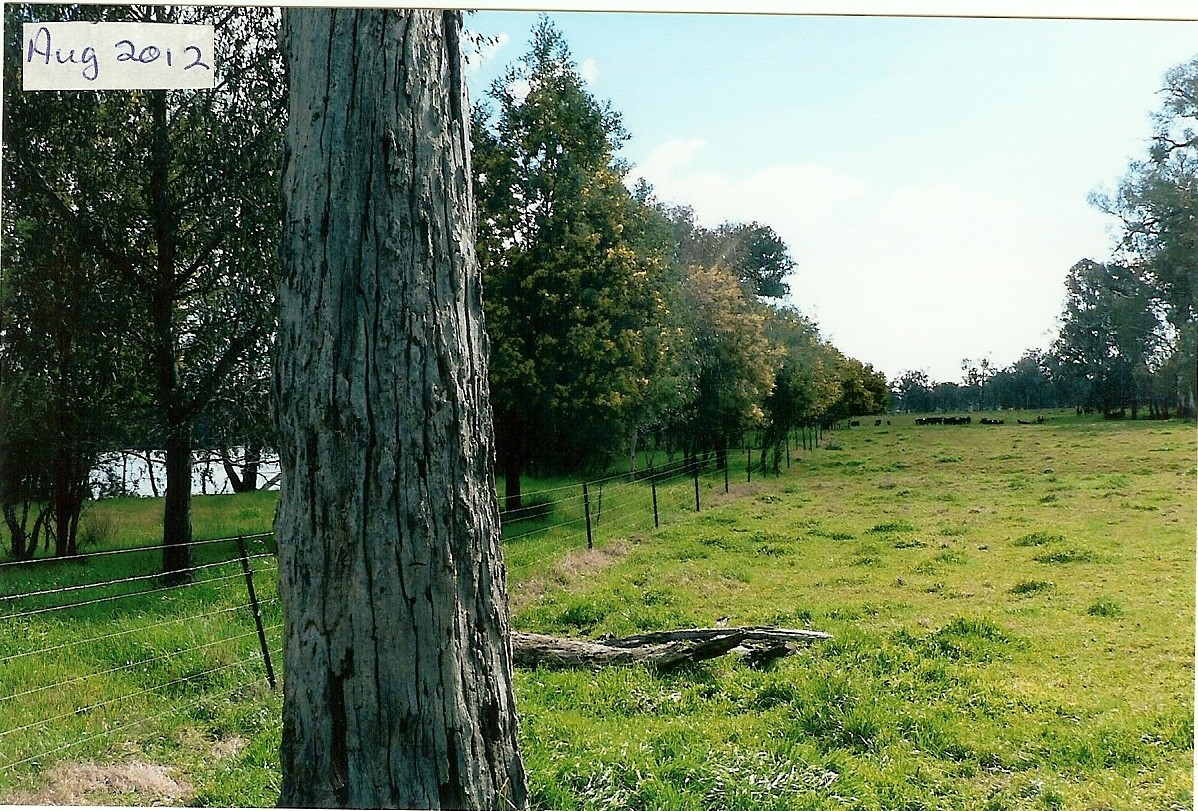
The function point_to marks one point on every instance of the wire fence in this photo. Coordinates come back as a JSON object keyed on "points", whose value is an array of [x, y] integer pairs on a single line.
{"points": [[102, 648], [96, 649]]}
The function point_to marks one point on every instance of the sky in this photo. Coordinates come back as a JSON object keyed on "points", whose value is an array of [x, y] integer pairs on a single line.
{"points": [[932, 177]]}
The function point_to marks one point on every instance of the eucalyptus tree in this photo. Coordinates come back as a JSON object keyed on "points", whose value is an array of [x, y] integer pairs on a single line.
{"points": [[805, 386], [863, 389], [754, 252], [57, 305], [1158, 205], [26, 459], [1109, 334], [1030, 385], [758, 256], [914, 391], [174, 193], [570, 293], [64, 361], [399, 672], [735, 361]]}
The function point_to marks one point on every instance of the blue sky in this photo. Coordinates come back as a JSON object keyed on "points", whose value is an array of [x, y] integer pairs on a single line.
{"points": [[931, 176]]}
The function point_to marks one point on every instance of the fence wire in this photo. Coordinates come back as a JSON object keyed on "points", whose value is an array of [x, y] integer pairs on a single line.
{"points": [[619, 505], [81, 678]]}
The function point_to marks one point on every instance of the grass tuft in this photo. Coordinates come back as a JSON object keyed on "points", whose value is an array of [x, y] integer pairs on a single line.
{"points": [[1039, 539], [1026, 588], [1105, 608], [893, 526], [1066, 556]]}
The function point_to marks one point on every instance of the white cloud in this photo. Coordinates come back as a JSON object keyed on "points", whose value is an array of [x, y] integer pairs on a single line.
{"points": [[939, 273], [913, 276], [662, 161], [795, 199], [589, 71]]}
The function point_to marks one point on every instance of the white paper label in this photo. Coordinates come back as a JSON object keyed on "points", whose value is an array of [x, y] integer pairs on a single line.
{"points": [[116, 56]]}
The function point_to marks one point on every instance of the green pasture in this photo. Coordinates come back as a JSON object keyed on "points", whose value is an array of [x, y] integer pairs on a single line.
{"points": [[1012, 609]]}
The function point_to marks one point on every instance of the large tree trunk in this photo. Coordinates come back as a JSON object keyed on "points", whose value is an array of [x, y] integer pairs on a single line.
{"points": [[398, 688], [176, 510]]}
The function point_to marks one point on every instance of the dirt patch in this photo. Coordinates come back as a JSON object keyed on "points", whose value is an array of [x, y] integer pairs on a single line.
{"points": [[576, 565], [582, 562], [228, 747], [131, 783]]}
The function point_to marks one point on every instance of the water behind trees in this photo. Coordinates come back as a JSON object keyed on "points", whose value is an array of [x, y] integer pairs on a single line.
{"points": [[143, 473]]}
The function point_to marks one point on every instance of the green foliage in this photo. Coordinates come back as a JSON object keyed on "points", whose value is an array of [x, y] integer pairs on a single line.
{"points": [[1156, 203], [734, 360], [140, 242], [613, 318], [1109, 333], [569, 262], [752, 252]]}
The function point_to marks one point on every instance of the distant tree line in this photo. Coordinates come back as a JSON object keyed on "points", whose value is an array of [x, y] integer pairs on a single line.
{"points": [[1127, 343], [140, 262]]}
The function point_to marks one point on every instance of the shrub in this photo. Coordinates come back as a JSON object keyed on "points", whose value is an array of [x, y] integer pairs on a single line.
{"points": [[96, 529]]}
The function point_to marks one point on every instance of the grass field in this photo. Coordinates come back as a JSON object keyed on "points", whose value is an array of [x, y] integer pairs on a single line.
{"points": [[1012, 610]]}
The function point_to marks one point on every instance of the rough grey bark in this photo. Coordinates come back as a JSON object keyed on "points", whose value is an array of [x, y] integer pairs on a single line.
{"points": [[398, 661]]}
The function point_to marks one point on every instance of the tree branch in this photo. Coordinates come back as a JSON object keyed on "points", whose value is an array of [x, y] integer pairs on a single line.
{"points": [[665, 651], [123, 264]]}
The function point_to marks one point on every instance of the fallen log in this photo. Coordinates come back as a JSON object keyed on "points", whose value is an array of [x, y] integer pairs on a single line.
{"points": [[663, 650]]}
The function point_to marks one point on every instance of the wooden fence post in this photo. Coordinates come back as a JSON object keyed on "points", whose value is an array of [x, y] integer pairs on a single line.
{"points": [[249, 586], [586, 506], [653, 487]]}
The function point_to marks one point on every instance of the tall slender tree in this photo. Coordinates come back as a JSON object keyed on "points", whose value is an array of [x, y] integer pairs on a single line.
{"points": [[570, 292], [173, 193], [1158, 205], [398, 689]]}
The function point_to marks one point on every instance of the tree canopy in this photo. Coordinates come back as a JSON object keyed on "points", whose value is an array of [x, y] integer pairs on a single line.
{"points": [[162, 208]]}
